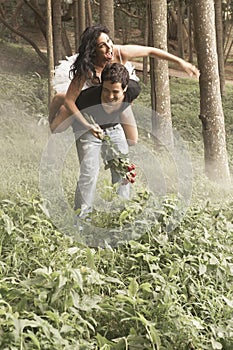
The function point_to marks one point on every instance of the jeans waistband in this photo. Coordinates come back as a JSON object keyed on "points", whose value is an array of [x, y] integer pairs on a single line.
{"points": [[111, 127]]}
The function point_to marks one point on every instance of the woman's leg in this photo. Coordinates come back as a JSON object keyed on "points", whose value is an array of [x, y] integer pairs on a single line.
{"points": [[55, 105], [61, 121], [59, 117]]}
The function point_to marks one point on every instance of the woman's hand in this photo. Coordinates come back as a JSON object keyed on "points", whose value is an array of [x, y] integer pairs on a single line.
{"points": [[189, 68]]}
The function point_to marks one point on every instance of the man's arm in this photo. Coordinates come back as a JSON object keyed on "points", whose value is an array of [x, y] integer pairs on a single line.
{"points": [[129, 125]]}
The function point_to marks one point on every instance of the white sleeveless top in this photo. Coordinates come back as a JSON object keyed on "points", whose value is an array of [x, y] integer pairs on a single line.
{"points": [[61, 80]]}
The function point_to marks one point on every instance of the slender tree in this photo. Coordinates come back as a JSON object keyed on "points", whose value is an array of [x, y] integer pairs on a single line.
{"points": [[219, 34], [89, 13], [107, 15], [190, 31], [180, 37], [160, 90], [4, 19], [211, 111], [81, 15], [57, 30], [49, 31], [145, 59], [76, 25]]}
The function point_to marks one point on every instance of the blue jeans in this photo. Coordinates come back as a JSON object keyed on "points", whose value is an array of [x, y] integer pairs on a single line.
{"points": [[89, 149]]}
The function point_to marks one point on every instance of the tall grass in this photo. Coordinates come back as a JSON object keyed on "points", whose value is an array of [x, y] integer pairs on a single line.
{"points": [[167, 290]]}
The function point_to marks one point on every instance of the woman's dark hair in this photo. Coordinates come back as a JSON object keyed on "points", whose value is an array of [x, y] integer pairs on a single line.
{"points": [[83, 64]]}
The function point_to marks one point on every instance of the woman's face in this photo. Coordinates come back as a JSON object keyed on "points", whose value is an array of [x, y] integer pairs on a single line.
{"points": [[104, 48]]}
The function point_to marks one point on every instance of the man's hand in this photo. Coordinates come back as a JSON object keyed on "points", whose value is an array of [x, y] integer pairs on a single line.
{"points": [[96, 131]]}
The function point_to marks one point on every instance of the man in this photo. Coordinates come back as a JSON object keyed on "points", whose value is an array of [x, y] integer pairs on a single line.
{"points": [[108, 107]]}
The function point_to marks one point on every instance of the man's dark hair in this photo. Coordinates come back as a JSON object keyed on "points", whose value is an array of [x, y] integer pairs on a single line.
{"points": [[83, 64], [116, 73]]}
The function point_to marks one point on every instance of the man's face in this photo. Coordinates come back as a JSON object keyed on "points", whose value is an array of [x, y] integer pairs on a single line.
{"points": [[112, 93]]}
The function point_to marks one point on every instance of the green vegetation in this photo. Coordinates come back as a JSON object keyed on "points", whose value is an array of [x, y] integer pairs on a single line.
{"points": [[168, 290]]}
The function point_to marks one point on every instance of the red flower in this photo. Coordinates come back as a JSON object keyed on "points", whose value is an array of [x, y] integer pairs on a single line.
{"points": [[131, 167], [130, 176]]}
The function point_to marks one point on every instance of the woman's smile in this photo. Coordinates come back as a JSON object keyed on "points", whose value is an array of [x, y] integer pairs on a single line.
{"points": [[104, 47]]}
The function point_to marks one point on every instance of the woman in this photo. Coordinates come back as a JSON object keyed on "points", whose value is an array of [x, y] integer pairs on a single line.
{"points": [[95, 51]]}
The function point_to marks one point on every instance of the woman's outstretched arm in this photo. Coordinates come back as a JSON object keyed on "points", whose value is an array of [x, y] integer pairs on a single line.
{"points": [[129, 52]]}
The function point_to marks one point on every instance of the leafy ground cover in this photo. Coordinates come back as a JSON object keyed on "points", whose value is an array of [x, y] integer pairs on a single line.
{"points": [[166, 290]]}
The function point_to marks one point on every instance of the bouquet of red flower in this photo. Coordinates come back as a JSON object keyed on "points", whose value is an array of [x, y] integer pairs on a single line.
{"points": [[114, 158], [118, 161]]}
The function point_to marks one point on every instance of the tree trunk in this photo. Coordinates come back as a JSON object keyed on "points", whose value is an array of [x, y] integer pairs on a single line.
{"points": [[89, 13], [49, 32], [229, 51], [65, 43], [81, 16], [22, 35], [145, 59], [107, 15], [190, 33], [38, 16], [16, 16], [160, 90], [211, 111], [76, 25], [219, 34], [180, 29], [57, 37]]}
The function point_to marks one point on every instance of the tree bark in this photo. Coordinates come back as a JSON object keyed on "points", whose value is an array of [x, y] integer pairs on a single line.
{"points": [[160, 89], [180, 38], [190, 33], [211, 111], [76, 25], [15, 16], [107, 15], [38, 14], [81, 16], [65, 42], [49, 31], [219, 35], [145, 59], [38, 51], [89, 13], [57, 37]]}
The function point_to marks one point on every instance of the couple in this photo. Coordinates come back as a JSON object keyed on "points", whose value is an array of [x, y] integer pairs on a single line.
{"points": [[95, 53]]}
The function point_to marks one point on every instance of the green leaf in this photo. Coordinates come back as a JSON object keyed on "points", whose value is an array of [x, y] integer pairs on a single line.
{"points": [[154, 334], [197, 324], [215, 344], [228, 302], [202, 269], [9, 225], [133, 288], [213, 260], [90, 258], [62, 281], [33, 338], [77, 276], [146, 286], [72, 250], [102, 341]]}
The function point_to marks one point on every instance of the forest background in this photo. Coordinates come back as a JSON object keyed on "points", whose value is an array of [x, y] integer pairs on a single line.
{"points": [[165, 290]]}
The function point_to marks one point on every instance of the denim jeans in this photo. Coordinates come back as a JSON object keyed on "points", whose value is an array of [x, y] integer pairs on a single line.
{"points": [[89, 149]]}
